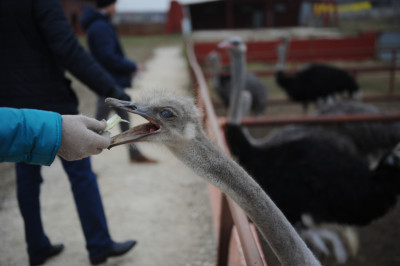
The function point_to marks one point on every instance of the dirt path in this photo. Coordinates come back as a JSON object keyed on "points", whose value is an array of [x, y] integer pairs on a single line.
{"points": [[164, 206]]}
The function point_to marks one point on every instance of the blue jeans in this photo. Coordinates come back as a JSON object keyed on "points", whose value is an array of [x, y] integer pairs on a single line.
{"points": [[87, 200]]}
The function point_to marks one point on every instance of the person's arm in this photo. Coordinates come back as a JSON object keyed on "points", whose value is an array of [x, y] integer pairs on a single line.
{"points": [[103, 47], [30, 136], [64, 45], [36, 136]]}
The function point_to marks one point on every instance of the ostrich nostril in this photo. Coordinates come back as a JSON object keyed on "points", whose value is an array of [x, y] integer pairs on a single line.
{"points": [[131, 107]]}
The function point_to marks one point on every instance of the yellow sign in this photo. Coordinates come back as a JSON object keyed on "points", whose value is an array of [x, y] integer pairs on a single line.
{"points": [[323, 8], [360, 6]]}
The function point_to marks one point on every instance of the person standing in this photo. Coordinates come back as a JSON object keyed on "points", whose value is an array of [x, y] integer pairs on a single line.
{"points": [[104, 45], [36, 49]]}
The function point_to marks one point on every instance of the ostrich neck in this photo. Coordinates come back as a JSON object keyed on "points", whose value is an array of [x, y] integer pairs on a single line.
{"points": [[220, 170], [238, 73], [215, 69], [282, 56], [236, 108]]}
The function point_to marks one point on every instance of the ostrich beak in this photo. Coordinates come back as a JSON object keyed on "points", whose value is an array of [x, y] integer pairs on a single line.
{"points": [[225, 46], [136, 133]]}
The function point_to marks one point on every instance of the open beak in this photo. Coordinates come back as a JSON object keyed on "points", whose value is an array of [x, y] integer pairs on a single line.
{"points": [[136, 133]]}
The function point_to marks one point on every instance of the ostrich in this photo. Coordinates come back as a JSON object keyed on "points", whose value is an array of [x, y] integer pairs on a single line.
{"points": [[371, 138], [222, 83], [317, 81], [311, 170], [176, 122], [368, 140], [219, 76]]}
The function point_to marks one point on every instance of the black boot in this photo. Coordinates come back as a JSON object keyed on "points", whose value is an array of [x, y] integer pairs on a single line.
{"points": [[115, 249], [51, 252]]}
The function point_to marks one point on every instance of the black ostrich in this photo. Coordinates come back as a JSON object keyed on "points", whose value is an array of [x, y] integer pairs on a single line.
{"points": [[221, 83], [312, 170], [372, 139], [315, 174], [315, 82]]}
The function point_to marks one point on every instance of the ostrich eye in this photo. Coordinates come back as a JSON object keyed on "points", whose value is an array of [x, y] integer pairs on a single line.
{"points": [[166, 114]]}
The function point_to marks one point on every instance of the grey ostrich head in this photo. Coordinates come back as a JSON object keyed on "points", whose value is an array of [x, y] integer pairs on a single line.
{"points": [[171, 119], [234, 44]]}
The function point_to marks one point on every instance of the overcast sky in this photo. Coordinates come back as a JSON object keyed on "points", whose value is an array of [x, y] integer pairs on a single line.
{"points": [[148, 5]]}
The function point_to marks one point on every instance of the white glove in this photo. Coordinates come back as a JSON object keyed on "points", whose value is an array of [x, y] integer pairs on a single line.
{"points": [[82, 136]]}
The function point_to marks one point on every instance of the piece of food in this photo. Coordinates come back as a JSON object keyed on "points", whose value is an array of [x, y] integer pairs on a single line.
{"points": [[115, 119]]}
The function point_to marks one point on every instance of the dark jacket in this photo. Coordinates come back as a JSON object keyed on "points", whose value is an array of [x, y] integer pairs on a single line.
{"points": [[105, 47], [36, 47]]}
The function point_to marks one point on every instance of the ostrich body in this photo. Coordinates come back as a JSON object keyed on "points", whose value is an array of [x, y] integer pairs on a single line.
{"points": [[313, 173], [311, 170], [222, 84], [317, 81], [371, 138], [176, 123]]}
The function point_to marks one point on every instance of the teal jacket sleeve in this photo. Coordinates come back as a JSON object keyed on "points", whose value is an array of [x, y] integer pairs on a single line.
{"points": [[30, 136]]}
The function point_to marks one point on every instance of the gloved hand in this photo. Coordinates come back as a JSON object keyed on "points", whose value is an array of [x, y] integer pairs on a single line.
{"points": [[82, 136], [119, 94]]}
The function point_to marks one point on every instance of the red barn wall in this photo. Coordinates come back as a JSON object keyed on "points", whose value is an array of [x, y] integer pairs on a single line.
{"points": [[362, 47], [175, 16]]}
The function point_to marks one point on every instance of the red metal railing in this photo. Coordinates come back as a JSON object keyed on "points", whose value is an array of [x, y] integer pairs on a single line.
{"points": [[225, 211]]}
